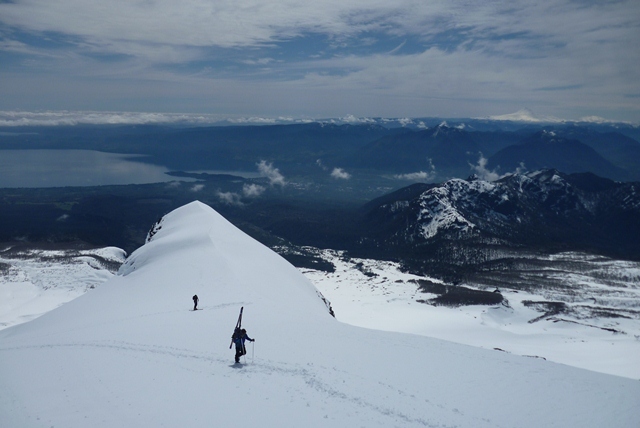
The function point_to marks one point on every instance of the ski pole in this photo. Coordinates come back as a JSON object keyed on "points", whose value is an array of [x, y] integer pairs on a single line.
{"points": [[253, 348]]}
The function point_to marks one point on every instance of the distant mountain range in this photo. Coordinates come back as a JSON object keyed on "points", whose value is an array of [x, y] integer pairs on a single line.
{"points": [[473, 221], [537, 186], [455, 151], [444, 149], [547, 149]]}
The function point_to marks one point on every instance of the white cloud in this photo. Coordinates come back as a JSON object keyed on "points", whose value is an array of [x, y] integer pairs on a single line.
{"points": [[321, 165], [356, 120], [48, 118], [420, 175], [253, 120], [230, 198], [273, 174], [485, 174], [197, 187], [63, 217], [259, 61], [415, 176], [252, 190], [70, 117], [482, 172], [340, 174], [452, 57]]}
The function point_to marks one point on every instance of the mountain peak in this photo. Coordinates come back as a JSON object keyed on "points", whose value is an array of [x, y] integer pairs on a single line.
{"points": [[230, 263], [525, 115]]}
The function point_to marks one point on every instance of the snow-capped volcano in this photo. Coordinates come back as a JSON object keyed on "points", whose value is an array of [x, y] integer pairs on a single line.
{"points": [[525, 115], [132, 353]]}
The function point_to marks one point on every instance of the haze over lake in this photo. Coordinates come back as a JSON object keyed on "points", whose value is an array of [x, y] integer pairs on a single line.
{"points": [[61, 168]]}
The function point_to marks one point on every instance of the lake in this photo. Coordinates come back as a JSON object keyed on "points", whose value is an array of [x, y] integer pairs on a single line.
{"points": [[62, 168]]}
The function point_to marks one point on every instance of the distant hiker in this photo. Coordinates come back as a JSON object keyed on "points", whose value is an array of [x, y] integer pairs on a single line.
{"points": [[195, 302], [239, 336]]}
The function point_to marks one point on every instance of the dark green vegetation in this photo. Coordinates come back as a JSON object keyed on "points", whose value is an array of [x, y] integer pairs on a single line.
{"points": [[449, 295], [122, 215]]}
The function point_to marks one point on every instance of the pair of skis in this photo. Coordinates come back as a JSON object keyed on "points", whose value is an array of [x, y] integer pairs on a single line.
{"points": [[238, 327]]}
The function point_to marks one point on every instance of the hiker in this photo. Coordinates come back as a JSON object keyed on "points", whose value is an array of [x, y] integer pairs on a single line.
{"points": [[239, 336], [195, 302]]}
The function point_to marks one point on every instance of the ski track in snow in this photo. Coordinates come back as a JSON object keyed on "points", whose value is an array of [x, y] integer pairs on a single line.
{"points": [[314, 377], [375, 294]]}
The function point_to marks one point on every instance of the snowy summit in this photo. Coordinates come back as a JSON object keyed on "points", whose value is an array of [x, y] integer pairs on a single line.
{"points": [[134, 353]]}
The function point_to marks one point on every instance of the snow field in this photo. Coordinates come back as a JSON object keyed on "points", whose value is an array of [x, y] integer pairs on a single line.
{"points": [[132, 353], [389, 301], [38, 281]]}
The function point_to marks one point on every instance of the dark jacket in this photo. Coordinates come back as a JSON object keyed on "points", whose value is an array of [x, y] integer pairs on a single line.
{"points": [[240, 338]]}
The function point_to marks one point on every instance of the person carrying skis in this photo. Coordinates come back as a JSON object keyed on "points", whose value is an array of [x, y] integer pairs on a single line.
{"points": [[195, 302], [239, 336]]}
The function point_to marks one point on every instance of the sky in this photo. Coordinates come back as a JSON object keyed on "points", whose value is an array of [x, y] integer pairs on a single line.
{"points": [[566, 59]]}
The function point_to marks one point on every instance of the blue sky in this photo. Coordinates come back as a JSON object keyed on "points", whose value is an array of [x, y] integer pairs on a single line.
{"points": [[295, 58]]}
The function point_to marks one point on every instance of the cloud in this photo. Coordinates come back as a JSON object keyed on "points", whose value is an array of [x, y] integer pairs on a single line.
{"points": [[273, 174], [482, 172], [252, 190], [362, 57], [197, 187], [420, 175], [356, 120], [521, 169], [415, 176], [230, 198], [485, 174], [321, 165], [70, 118], [337, 173], [340, 174], [63, 217], [49, 118], [259, 61]]}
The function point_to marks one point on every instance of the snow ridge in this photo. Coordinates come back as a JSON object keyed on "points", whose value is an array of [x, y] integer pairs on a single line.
{"points": [[461, 209]]}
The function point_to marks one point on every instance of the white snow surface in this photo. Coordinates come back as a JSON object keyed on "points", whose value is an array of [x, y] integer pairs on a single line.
{"points": [[132, 353], [35, 281], [378, 295]]}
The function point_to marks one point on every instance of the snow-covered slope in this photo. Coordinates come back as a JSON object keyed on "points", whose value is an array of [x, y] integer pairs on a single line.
{"points": [[34, 281], [591, 321], [132, 353]]}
